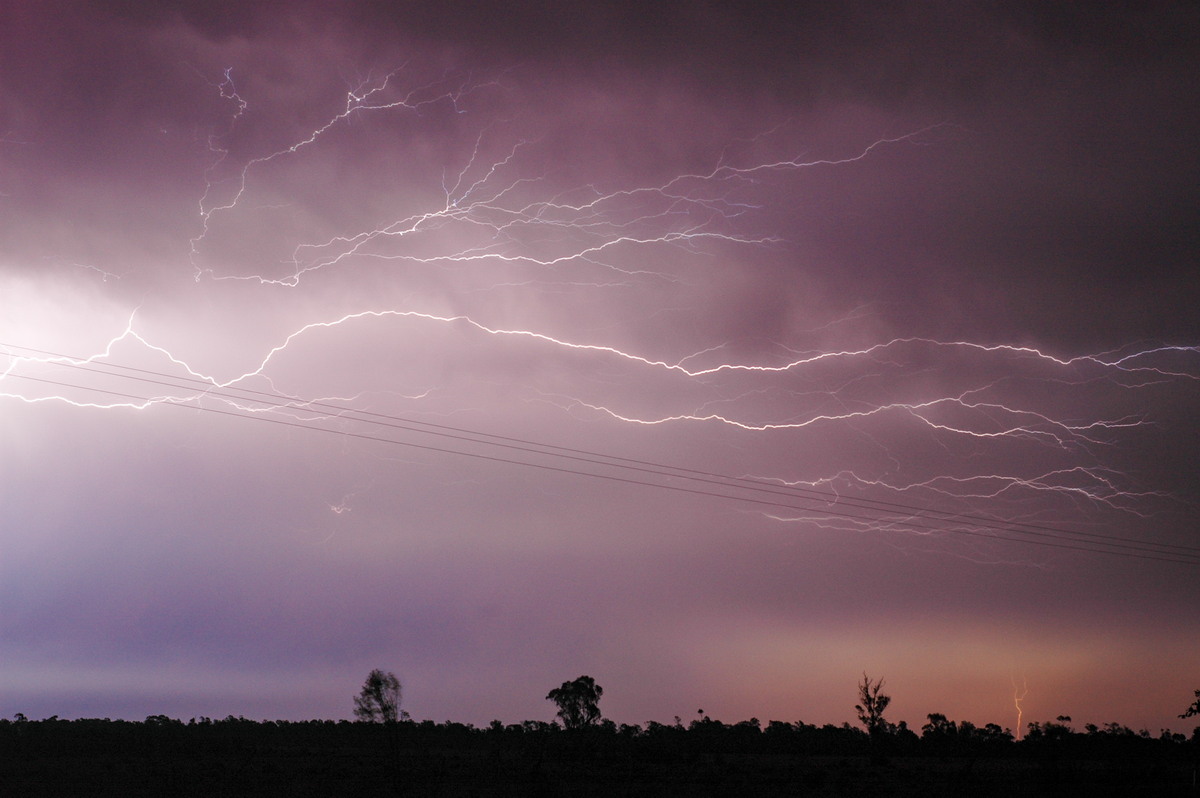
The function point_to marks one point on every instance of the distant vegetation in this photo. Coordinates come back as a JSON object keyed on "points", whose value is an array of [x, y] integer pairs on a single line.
{"points": [[385, 753]]}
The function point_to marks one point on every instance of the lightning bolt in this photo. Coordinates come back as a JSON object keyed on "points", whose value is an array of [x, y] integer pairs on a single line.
{"points": [[495, 227], [1019, 696]]}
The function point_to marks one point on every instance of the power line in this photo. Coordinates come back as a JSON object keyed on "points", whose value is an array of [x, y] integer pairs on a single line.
{"points": [[1034, 534], [519, 444], [1133, 549]]}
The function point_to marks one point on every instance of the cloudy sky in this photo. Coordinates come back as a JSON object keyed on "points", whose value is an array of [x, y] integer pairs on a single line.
{"points": [[719, 355]]}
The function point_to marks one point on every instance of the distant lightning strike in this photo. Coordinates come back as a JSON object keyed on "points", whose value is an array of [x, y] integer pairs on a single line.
{"points": [[1019, 696], [687, 213]]}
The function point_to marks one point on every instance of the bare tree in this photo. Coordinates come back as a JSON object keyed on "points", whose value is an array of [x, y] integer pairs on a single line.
{"points": [[870, 711], [577, 702], [379, 701]]}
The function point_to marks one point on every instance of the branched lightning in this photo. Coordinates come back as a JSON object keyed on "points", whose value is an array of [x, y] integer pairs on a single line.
{"points": [[499, 226]]}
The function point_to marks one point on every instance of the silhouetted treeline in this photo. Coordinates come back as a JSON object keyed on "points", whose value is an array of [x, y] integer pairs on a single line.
{"points": [[201, 756]]}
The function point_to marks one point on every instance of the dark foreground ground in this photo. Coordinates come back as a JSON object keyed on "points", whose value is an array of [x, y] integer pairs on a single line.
{"points": [[242, 758]]}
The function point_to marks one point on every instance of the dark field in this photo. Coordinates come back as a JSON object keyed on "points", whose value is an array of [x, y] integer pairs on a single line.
{"points": [[321, 758]]}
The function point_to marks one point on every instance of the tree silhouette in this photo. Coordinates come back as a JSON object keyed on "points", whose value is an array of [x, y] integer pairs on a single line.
{"points": [[379, 700], [870, 714], [938, 727], [870, 711], [577, 702], [1194, 709]]}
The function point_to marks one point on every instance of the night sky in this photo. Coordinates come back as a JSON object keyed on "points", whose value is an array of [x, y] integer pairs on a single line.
{"points": [[720, 354]]}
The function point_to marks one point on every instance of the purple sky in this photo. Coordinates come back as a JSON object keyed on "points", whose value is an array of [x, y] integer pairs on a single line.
{"points": [[890, 312]]}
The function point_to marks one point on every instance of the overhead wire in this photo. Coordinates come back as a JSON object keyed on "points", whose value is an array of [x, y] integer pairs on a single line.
{"points": [[904, 514]]}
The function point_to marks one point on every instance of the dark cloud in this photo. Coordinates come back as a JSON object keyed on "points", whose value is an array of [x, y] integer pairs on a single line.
{"points": [[987, 174]]}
